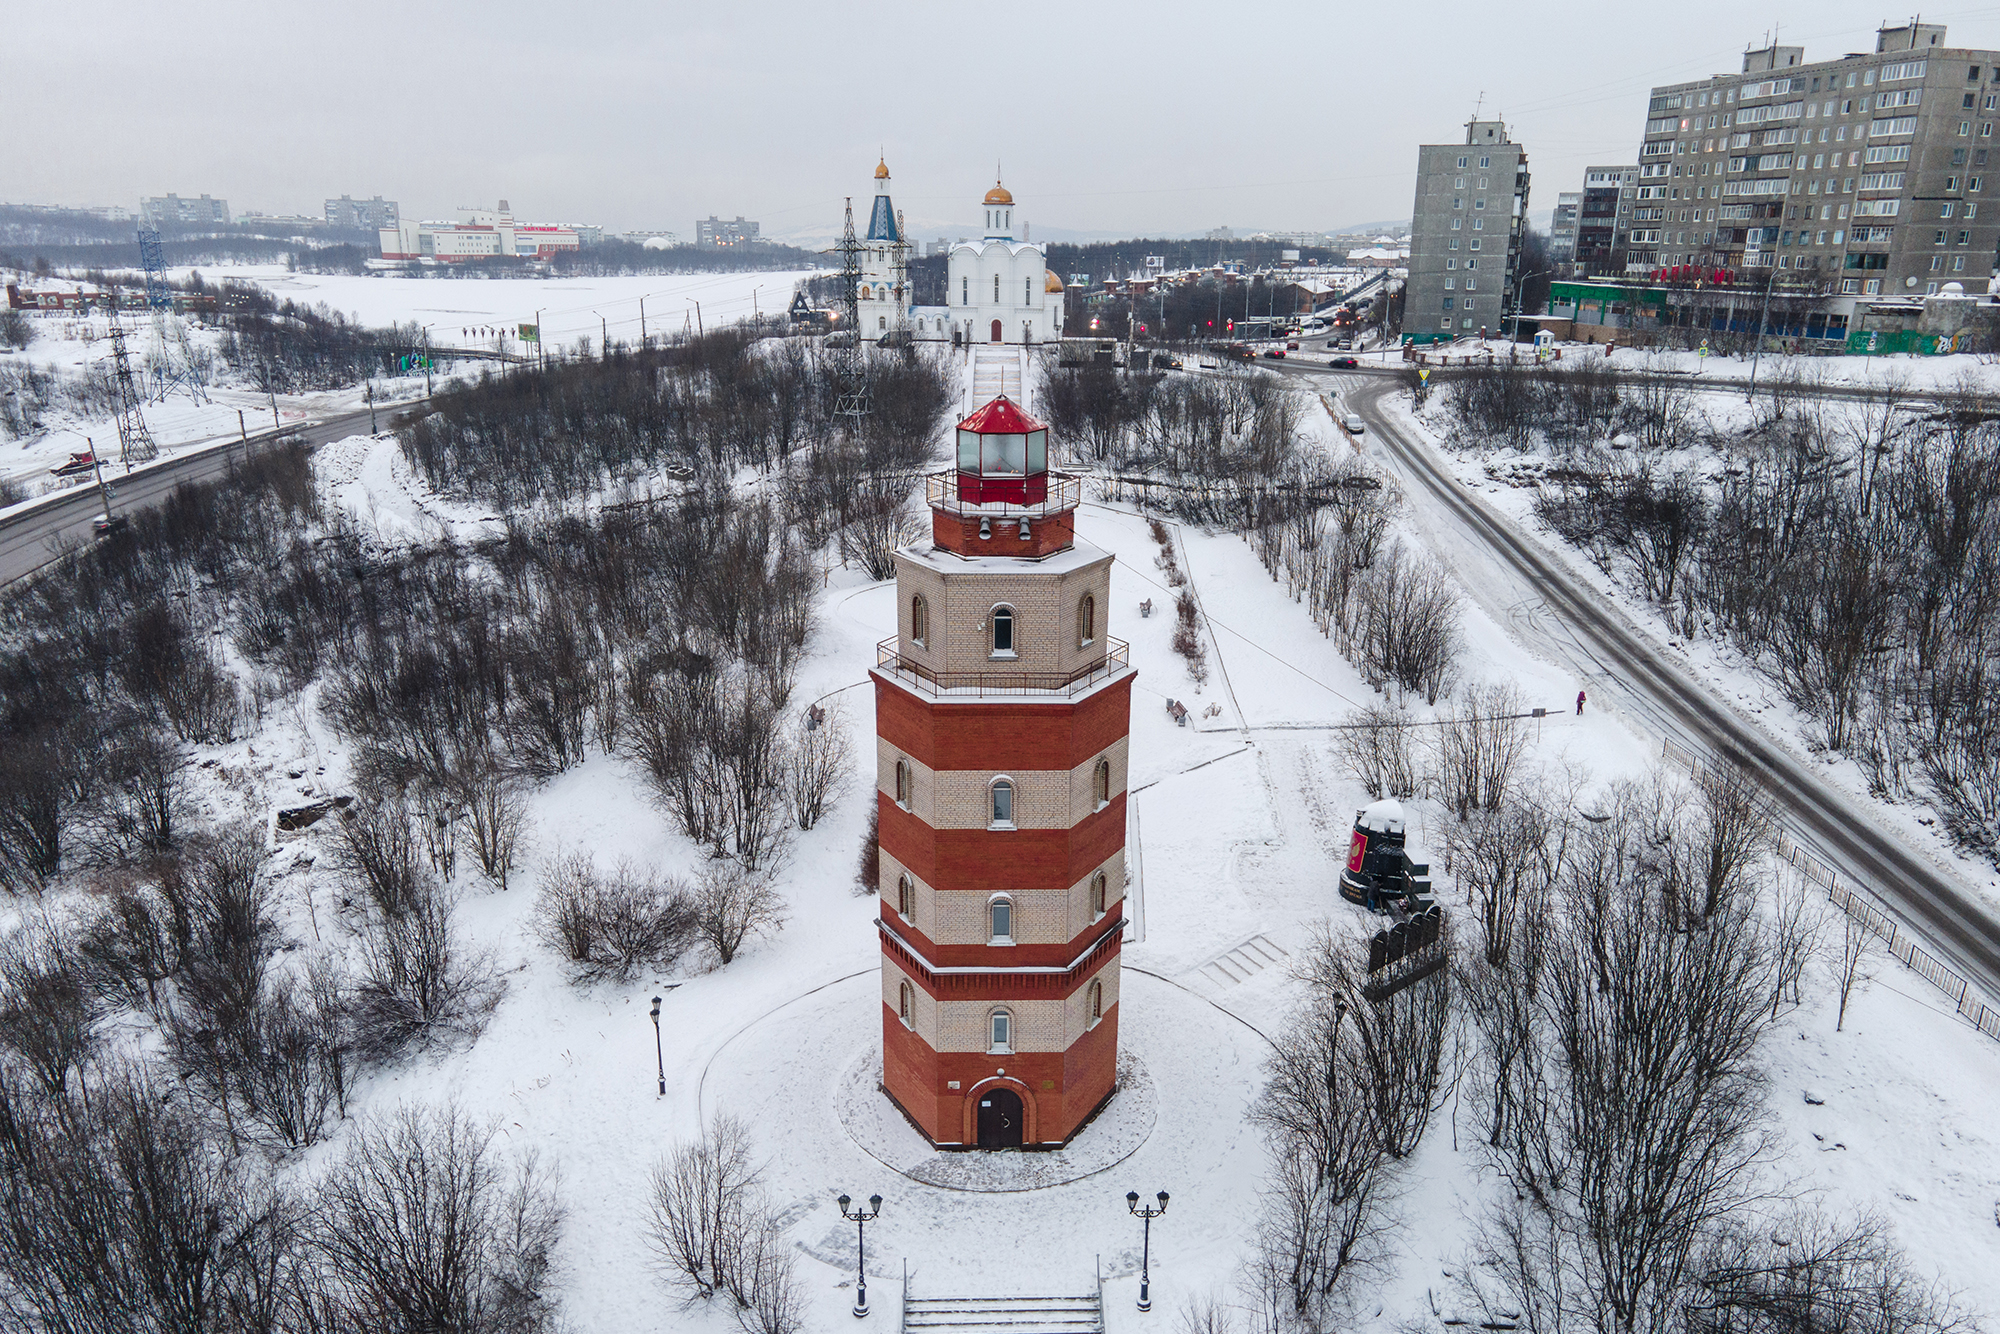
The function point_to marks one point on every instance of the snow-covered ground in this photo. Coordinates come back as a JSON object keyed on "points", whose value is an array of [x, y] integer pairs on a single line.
{"points": [[1238, 821], [449, 309]]}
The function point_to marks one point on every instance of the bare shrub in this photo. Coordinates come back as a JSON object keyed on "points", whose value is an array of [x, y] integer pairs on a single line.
{"points": [[1477, 746], [868, 870], [145, 804], [423, 1226], [1373, 745], [288, 1064], [420, 982], [732, 904], [135, 942], [1401, 623], [613, 928], [713, 1232], [378, 846], [48, 1015], [1736, 828], [495, 806], [821, 758], [233, 936], [1806, 1270]]}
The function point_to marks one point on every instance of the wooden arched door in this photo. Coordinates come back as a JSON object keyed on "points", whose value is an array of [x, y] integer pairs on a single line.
{"points": [[996, 331], [999, 1119]]}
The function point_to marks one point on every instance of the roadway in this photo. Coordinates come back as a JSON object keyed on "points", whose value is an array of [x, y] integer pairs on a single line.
{"points": [[1521, 584], [35, 536]]}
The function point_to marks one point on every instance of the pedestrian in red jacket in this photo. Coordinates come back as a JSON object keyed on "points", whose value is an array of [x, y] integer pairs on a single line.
{"points": [[1579, 703]]}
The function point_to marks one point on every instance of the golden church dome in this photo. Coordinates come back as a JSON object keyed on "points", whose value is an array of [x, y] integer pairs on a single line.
{"points": [[998, 195], [1051, 283], [882, 170]]}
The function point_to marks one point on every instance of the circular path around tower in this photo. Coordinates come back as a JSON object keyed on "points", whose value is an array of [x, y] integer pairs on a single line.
{"points": [[802, 1077]]}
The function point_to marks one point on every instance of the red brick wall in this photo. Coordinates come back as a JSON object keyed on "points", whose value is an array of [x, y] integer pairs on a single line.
{"points": [[1002, 986], [1002, 736], [1045, 536], [1062, 1087], [992, 860]]}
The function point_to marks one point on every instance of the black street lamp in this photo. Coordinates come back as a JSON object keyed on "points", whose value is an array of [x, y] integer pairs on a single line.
{"points": [[861, 1219], [1148, 1214], [659, 1056]]}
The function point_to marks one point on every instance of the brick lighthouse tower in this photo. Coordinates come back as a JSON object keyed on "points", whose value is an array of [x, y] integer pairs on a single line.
{"points": [[1002, 710]]}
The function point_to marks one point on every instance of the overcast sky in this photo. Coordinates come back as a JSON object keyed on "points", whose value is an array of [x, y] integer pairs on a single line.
{"points": [[1120, 119]]}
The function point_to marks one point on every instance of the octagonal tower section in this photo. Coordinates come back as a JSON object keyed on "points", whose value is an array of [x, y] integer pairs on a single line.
{"points": [[1003, 712]]}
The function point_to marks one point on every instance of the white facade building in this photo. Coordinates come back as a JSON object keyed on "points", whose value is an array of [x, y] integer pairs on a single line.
{"points": [[999, 290], [482, 234]]}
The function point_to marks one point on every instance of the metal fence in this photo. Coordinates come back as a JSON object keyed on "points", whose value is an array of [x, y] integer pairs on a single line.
{"points": [[1873, 919]]}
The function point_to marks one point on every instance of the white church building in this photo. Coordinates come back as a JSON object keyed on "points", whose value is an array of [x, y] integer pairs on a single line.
{"points": [[998, 289]]}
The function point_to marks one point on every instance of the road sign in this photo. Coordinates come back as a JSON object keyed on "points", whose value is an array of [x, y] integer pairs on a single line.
{"points": [[530, 334], [1423, 373]]}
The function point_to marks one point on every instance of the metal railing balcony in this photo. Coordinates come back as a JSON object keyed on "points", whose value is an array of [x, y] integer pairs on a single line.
{"points": [[1065, 492], [890, 658]]}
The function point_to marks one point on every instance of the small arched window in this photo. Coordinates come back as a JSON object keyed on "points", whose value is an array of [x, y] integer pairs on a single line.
{"points": [[920, 621], [906, 895], [906, 1004], [1096, 1001], [1100, 784], [903, 784], [1003, 803], [1003, 632], [1000, 1030], [1000, 920], [1086, 621], [1100, 892], [881, 321]]}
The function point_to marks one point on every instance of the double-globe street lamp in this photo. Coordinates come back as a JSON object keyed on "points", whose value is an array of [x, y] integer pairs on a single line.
{"points": [[861, 1218], [659, 1055], [1147, 1214]]}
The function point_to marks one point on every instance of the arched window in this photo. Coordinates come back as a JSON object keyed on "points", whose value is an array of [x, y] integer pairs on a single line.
{"points": [[881, 321], [1000, 920], [906, 895], [920, 621], [1000, 1029], [1086, 621], [1003, 802], [1100, 784], [904, 784], [906, 1004], [1096, 1001], [1003, 632], [1100, 891]]}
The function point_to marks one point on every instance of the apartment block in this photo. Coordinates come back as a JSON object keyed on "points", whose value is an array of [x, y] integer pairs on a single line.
{"points": [[1562, 227], [1465, 234], [1603, 217], [1871, 174], [361, 215]]}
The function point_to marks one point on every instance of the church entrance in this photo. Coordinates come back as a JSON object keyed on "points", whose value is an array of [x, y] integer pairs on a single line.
{"points": [[996, 331], [999, 1119]]}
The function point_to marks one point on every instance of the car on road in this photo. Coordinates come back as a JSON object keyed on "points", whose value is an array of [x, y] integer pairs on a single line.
{"points": [[106, 524], [1344, 364], [1351, 423], [1291, 345], [1275, 353]]}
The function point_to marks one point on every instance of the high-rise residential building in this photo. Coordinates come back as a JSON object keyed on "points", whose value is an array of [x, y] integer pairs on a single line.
{"points": [[1562, 227], [720, 231], [1465, 235], [351, 214], [1603, 216], [1863, 175], [173, 211]]}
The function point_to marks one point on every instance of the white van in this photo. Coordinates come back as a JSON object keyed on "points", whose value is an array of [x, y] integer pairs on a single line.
{"points": [[1351, 423]]}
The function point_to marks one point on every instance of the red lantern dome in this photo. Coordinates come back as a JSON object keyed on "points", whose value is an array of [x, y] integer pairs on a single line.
{"points": [[1003, 456]]}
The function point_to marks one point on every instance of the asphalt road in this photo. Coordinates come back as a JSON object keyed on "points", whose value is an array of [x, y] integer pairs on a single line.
{"points": [[1619, 662], [32, 539]]}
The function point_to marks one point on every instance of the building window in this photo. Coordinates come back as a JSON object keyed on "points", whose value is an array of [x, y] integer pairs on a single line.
{"points": [[906, 1004], [1086, 621], [881, 321], [1447, 303], [1456, 223], [1096, 1001], [1461, 164], [906, 897], [965, 291], [1964, 238], [1485, 162], [1958, 264], [1100, 891], [996, 289], [1000, 920], [920, 622], [1937, 262], [1001, 1032], [904, 785], [1100, 784], [1003, 632], [1002, 803], [1027, 291]]}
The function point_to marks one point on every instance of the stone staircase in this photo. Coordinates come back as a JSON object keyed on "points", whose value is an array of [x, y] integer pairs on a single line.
{"points": [[1004, 1315], [1253, 956], [995, 371]]}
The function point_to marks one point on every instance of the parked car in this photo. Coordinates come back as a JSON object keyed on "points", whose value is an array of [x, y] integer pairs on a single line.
{"points": [[1275, 353], [1292, 344], [1351, 423], [1344, 363]]}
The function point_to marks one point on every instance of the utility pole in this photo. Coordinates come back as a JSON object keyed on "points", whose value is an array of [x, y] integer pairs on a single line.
{"points": [[642, 322], [427, 362], [1763, 322], [541, 348], [697, 320], [604, 340]]}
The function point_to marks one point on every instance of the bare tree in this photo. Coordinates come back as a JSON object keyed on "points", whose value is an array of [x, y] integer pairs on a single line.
{"points": [[1477, 746], [495, 806], [1373, 744], [1850, 968], [821, 758], [48, 1016], [612, 927], [713, 1232], [1735, 828], [423, 1226], [420, 981], [732, 904], [1805, 1271]]}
